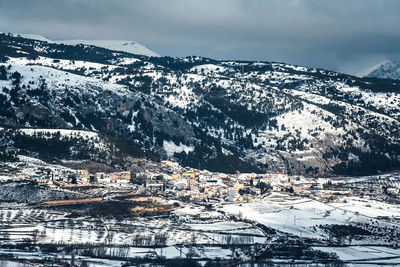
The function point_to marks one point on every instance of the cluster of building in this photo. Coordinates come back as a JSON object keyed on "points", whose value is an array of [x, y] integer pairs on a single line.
{"points": [[189, 184], [123, 177], [194, 185], [83, 177]]}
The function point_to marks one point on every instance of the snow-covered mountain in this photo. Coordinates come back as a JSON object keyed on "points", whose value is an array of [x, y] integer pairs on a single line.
{"points": [[117, 45], [35, 37], [209, 114], [388, 69]]}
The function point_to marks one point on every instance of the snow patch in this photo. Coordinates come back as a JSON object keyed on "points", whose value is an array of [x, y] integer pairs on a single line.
{"points": [[171, 148]]}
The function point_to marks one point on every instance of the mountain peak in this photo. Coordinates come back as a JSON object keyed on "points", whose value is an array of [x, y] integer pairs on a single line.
{"points": [[389, 69], [128, 46], [35, 37], [117, 45]]}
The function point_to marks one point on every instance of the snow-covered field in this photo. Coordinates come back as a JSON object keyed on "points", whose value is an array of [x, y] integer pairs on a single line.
{"points": [[28, 166], [366, 254], [132, 237], [300, 216], [367, 207]]}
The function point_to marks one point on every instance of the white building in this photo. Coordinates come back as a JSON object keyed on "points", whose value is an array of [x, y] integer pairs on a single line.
{"points": [[103, 178]]}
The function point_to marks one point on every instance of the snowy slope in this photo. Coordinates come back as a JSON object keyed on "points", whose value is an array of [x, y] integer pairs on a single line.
{"points": [[35, 37], [117, 45], [215, 115], [388, 69]]}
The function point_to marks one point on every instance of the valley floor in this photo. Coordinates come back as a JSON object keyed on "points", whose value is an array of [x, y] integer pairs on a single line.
{"points": [[276, 228]]}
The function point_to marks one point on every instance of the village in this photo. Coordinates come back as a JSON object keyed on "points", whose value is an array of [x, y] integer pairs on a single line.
{"points": [[192, 185], [174, 212]]}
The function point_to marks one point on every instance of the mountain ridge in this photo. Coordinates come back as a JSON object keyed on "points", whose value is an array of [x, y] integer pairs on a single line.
{"points": [[117, 45], [218, 115]]}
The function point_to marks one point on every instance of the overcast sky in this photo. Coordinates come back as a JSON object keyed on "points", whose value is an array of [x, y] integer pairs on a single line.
{"points": [[343, 35]]}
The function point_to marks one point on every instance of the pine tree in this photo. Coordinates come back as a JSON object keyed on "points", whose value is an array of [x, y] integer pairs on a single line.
{"points": [[3, 73]]}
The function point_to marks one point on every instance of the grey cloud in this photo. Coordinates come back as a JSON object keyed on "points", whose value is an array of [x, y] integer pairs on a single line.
{"points": [[344, 35]]}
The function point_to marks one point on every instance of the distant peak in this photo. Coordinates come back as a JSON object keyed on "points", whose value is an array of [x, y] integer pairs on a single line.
{"points": [[117, 45], [34, 37], [388, 69], [127, 46]]}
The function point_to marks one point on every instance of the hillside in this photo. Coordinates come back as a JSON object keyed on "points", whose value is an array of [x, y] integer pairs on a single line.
{"points": [[219, 115], [389, 69], [117, 45]]}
